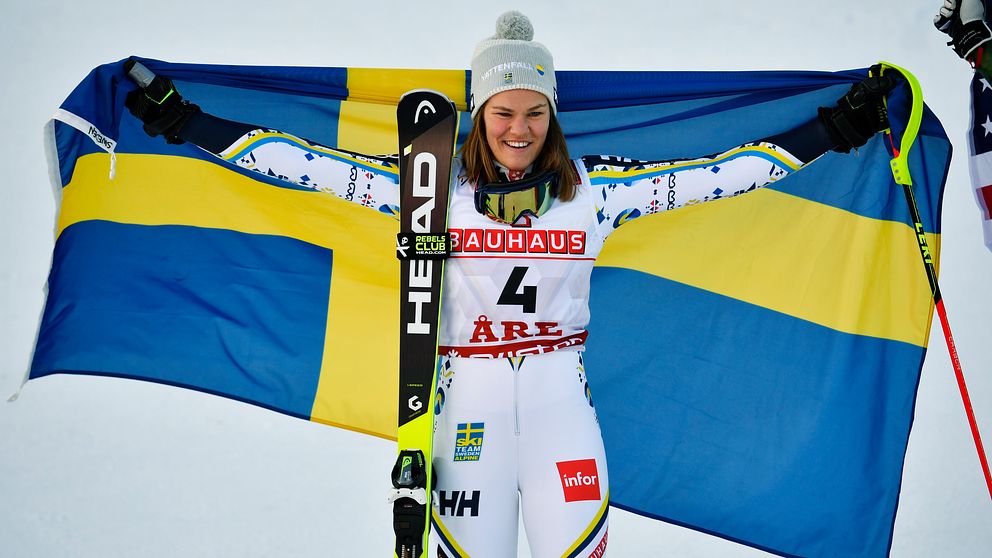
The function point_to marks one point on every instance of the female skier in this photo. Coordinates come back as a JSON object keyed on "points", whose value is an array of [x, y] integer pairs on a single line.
{"points": [[517, 429]]}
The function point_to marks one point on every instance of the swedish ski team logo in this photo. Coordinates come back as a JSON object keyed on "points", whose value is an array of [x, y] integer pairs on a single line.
{"points": [[468, 441]]}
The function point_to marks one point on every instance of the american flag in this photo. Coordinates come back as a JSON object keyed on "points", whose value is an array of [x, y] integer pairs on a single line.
{"points": [[980, 149]]}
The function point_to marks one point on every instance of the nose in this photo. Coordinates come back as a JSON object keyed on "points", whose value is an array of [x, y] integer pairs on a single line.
{"points": [[518, 124]]}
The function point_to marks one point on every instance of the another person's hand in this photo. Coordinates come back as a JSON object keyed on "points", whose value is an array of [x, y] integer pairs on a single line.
{"points": [[964, 23], [161, 108], [859, 114]]}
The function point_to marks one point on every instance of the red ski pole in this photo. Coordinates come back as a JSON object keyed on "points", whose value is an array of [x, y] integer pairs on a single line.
{"points": [[900, 171]]}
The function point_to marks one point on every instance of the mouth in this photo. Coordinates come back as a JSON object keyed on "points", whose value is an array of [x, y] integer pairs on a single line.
{"points": [[518, 145]]}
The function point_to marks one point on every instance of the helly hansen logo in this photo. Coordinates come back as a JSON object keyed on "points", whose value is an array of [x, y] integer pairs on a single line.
{"points": [[518, 241], [579, 479], [457, 502]]}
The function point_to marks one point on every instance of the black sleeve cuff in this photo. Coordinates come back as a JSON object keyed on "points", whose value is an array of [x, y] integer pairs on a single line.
{"points": [[212, 133], [806, 141]]}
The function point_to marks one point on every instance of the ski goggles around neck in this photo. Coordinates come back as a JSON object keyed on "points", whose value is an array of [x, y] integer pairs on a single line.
{"points": [[508, 202]]}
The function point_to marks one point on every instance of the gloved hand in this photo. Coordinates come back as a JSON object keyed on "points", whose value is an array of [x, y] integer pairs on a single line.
{"points": [[161, 108], [860, 113], [964, 22]]}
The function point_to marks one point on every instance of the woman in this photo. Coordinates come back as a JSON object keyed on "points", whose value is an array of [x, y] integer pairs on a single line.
{"points": [[517, 428]]}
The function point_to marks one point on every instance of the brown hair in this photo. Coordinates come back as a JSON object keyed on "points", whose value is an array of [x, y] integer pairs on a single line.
{"points": [[477, 157]]}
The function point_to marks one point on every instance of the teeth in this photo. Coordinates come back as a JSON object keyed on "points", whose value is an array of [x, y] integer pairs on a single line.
{"points": [[518, 143]]}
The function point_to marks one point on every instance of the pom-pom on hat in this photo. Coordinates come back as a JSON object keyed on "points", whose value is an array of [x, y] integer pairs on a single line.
{"points": [[510, 59]]}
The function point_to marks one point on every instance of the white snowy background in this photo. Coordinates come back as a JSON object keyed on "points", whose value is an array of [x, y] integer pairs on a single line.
{"points": [[96, 467]]}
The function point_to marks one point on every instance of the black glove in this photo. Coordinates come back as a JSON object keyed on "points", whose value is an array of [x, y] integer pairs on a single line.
{"points": [[161, 108], [964, 22], [859, 114]]}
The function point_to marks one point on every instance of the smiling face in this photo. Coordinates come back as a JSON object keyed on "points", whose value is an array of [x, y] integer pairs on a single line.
{"points": [[516, 126]]}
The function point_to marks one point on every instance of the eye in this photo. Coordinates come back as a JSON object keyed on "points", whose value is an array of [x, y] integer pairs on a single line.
{"points": [[536, 114]]}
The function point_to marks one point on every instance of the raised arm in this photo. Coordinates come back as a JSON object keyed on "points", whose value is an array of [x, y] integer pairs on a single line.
{"points": [[964, 22], [366, 180], [625, 189]]}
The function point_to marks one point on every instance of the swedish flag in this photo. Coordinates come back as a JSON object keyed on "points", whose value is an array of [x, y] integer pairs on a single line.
{"points": [[754, 360]]}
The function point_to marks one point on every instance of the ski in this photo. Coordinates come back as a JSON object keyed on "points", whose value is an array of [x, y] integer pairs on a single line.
{"points": [[427, 124]]}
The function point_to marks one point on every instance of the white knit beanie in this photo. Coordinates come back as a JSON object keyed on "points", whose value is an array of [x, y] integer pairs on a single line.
{"points": [[511, 60]]}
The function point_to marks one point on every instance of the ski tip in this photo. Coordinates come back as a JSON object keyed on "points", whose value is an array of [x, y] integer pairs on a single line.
{"points": [[423, 92]]}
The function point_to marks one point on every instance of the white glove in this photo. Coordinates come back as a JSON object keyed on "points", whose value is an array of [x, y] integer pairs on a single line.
{"points": [[964, 21]]}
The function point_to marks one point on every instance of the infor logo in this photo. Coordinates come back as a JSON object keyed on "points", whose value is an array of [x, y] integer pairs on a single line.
{"points": [[579, 479]]}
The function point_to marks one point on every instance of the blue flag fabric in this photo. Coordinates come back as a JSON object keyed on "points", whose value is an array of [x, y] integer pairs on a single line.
{"points": [[754, 361]]}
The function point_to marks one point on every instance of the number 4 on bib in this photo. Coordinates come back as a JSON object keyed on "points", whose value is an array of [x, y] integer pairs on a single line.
{"points": [[427, 123]]}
